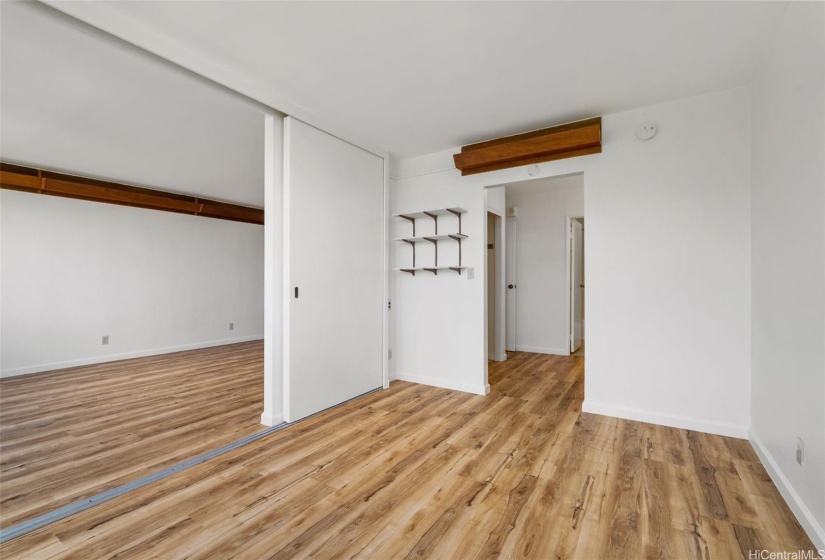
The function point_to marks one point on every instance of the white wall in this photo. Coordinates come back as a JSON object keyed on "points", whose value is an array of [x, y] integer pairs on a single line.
{"points": [[542, 317], [72, 271], [789, 262], [668, 267], [439, 320]]}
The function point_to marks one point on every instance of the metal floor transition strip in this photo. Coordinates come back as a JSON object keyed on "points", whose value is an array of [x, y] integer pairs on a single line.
{"points": [[82, 505]]}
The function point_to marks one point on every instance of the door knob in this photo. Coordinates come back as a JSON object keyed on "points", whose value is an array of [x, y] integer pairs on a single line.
{"points": [[510, 286]]}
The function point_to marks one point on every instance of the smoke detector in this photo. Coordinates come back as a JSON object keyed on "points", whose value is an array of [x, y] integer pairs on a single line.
{"points": [[646, 131]]}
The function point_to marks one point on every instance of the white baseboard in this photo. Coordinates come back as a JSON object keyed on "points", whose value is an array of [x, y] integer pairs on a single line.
{"points": [[543, 350], [500, 358], [124, 356], [443, 383], [806, 519], [272, 419], [671, 420]]}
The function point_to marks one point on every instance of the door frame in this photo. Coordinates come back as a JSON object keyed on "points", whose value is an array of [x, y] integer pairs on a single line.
{"points": [[568, 266], [286, 281], [497, 353], [507, 309]]}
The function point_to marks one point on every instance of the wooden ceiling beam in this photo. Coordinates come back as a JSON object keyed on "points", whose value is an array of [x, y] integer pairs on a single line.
{"points": [[29, 179], [558, 142]]}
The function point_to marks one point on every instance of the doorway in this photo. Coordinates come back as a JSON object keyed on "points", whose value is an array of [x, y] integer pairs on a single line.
{"points": [[538, 240]]}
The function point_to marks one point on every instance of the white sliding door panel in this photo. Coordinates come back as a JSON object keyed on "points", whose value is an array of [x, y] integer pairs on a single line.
{"points": [[334, 201]]}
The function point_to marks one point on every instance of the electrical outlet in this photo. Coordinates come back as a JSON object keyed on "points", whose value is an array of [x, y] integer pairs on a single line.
{"points": [[105, 339], [471, 273], [800, 450], [389, 354], [231, 326]]}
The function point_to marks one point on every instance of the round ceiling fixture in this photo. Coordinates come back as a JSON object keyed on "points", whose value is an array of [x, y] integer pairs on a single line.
{"points": [[533, 170], [646, 131]]}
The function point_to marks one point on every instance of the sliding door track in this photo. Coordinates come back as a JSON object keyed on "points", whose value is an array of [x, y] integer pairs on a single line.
{"points": [[82, 505]]}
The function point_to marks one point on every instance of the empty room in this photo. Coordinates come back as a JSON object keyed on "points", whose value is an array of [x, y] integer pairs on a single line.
{"points": [[412, 279]]}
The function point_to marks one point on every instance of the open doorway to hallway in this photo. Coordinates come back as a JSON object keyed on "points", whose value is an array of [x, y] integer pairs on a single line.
{"points": [[545, 265]]}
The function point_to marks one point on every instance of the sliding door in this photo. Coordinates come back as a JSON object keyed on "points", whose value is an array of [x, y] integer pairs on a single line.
{"points": [[334, 205]]}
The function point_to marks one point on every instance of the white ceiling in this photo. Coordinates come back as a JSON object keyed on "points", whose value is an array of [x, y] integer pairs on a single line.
{"points": [[418, 77], [78, 100]]}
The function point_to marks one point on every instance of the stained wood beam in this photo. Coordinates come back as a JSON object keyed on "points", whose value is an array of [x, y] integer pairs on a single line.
{"points": [[34, 180], [558, 142]]}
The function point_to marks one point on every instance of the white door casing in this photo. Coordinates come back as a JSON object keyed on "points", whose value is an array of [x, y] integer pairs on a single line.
{"points": [[576, 284], [510, 250]]}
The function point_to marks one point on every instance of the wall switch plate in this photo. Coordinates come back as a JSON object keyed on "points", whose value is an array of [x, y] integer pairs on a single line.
{"points": [[105, 339], [231, 326], [800, 450], [471, 273]]}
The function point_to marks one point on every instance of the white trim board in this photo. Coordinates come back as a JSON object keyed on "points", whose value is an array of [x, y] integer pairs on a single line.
{"points": [[272, 419], [435, 382], [663, 419], [806, 519], [40, 368], [543, 350]]}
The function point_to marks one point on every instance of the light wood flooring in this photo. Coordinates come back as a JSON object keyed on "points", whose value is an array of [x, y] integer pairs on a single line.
{"points": [[69, 434], [422, 472]]}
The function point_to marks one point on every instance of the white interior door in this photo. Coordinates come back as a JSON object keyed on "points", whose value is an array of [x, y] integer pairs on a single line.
{"points": [[576, 284], [510, 273], [334, 215]]}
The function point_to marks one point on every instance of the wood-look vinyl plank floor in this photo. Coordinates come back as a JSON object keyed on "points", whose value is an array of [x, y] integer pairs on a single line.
{"points": [[70, 434], [423, 472]]}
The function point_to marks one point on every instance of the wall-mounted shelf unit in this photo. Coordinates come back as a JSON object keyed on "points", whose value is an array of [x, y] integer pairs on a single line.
{"points": [[434, 239]]}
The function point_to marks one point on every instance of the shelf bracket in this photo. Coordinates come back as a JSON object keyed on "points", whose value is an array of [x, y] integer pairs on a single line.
{"points": [[435, 219], [410, 270], [457, 269], [412, 243], [433, 270], [435, 243], [412, 220]]}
